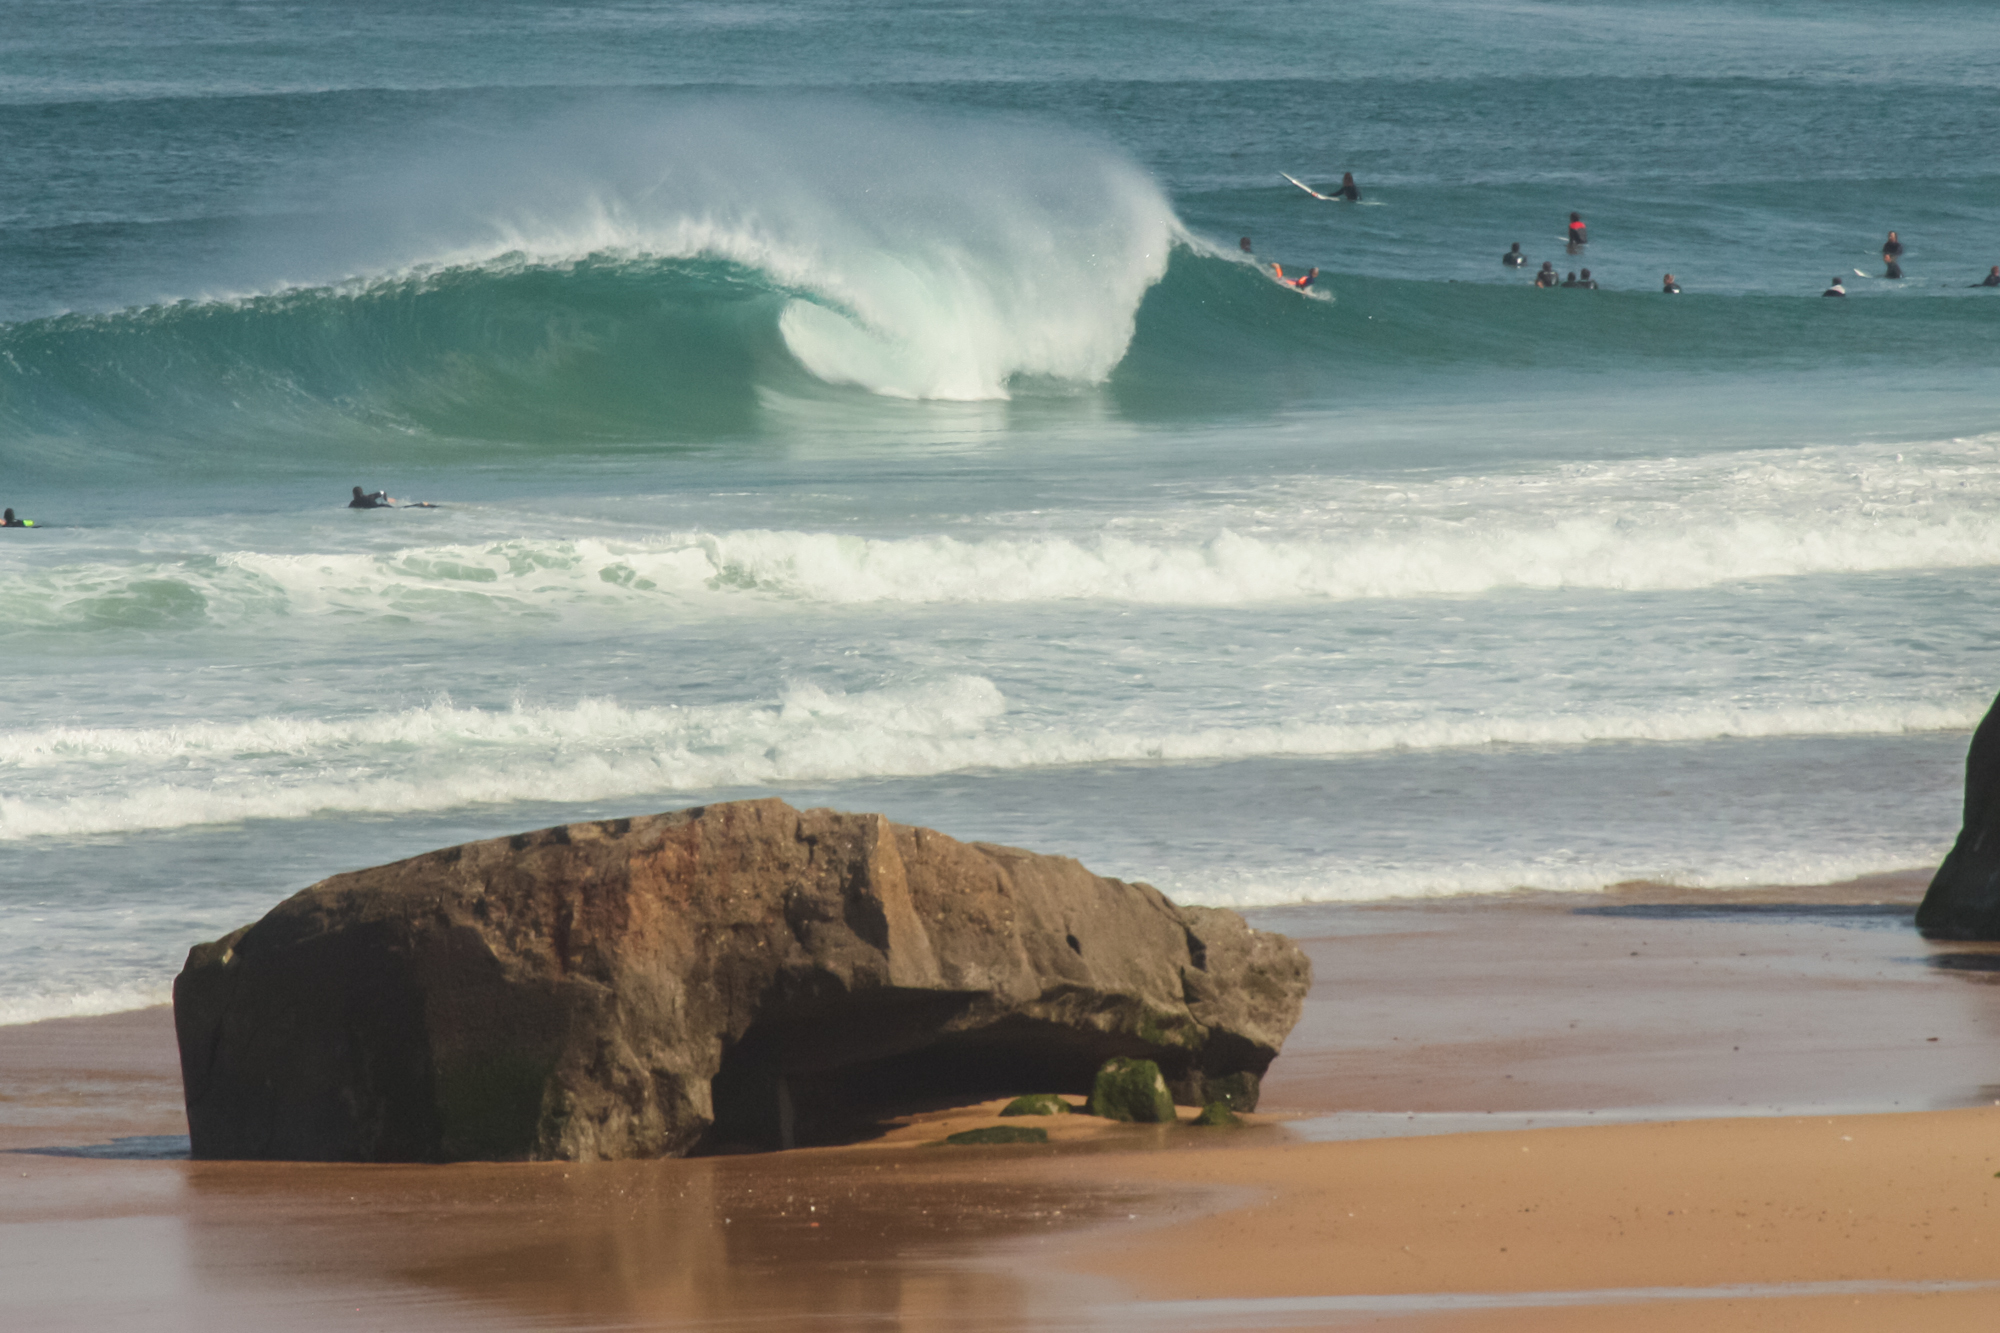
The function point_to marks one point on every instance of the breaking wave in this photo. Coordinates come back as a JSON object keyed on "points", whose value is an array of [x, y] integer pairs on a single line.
{"points": [[442, 757]]}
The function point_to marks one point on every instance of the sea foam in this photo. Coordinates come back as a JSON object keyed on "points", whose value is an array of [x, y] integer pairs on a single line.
{"points": [[442, 757]]}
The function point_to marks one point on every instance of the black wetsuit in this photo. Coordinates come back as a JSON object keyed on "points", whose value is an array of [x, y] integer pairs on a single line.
{"points": [[1890, 249], [1514, 258], [1670, 289], [1350, 192], [1895, 270], [1835, 290], [378, 500], [1991, 280], [1547, 277]]}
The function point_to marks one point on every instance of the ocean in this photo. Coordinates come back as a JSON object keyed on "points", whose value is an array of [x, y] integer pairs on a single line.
{"points": [[871, 403]]}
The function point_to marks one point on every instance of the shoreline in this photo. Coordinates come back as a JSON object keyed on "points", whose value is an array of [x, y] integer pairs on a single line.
{"points": [[1424, 1016]]}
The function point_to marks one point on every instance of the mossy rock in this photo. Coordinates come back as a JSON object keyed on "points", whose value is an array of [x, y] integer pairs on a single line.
{"points": [[1131, 1090], [1036, 1103], [1238, 1091], [1000, 1134], [1218, 1115]]}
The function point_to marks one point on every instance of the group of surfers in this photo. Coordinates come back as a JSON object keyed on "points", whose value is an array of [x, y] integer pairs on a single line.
{"points": [[1575, 240]]}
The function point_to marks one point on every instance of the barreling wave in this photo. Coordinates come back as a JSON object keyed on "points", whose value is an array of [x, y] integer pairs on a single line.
{"points": [[641, 273], [442, 757]]}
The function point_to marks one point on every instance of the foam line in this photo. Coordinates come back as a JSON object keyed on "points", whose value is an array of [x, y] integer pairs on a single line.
{"points": [[109, 780]]}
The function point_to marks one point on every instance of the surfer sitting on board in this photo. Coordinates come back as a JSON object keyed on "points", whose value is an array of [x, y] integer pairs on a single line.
{"points": [[1668, 287], [1348, 190], [1992, 278], [1514, 258], [1586, 281], [1548, 277], [1837, 289], [1578, 236], [1300, 283]]}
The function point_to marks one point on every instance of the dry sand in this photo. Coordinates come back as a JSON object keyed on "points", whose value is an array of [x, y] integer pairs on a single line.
{"points": [[1663, 1005]]}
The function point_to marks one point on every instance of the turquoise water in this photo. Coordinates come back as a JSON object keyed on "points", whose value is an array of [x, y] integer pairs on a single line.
{"points": [[871, 404]]}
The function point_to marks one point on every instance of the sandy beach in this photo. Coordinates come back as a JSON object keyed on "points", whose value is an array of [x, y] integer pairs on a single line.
{"points": [[1758, 1112]]}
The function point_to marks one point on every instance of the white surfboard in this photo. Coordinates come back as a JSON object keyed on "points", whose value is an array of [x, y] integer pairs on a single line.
{"points": [[1307, 188]]}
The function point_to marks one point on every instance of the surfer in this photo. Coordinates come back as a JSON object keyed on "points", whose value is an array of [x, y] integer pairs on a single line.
{"points": [[1668, 287], [11, 522], [372, 500], [1992, 278], [1586, 281], [1578, 236], [1300, 283], [1547, 276], [1348, 191], [1514, 258], [1571, 281], [1245, 243], [1838, 289]]}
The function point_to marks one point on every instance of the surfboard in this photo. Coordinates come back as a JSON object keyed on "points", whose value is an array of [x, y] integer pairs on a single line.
{"points": [[1307, 188]]}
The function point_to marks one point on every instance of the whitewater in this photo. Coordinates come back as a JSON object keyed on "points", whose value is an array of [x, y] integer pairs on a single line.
{"points": [[868, 407]]}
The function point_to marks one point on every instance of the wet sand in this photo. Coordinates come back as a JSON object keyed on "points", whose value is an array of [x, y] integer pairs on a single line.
{"points": [[1428, 1017]]}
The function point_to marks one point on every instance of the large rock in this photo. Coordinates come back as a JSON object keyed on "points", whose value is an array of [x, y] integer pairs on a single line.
{"points": [[1963, 902], [736, 975]]}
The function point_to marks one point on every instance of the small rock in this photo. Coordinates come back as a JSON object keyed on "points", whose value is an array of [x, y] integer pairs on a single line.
{"points": [[1217, 1115], [1131, 1090], [1036, 1103], [999, 1134]]}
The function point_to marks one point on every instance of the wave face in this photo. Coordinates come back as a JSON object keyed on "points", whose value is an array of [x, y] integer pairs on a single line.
{"points": [[640, 273]]}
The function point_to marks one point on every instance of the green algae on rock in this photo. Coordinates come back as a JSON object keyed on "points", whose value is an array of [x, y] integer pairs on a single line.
{"points": [[1131, 1090], [999, 1134]]}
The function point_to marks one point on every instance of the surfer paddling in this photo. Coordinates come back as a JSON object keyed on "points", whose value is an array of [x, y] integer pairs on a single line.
{"points": [[384, 500], [11, 522], [1348, 193], [1992, 278]]}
